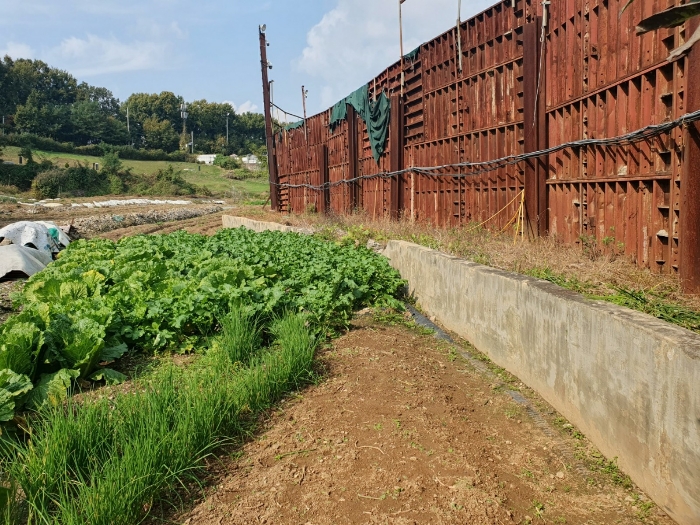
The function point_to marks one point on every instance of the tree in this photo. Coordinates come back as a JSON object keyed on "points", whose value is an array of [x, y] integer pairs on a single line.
{"points": [[103, 97], [42, 117], [88, 122], [159, 134]]}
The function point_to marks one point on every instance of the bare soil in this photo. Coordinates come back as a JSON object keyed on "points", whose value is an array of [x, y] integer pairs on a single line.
{"points": [[404, 431], [10, 212]]}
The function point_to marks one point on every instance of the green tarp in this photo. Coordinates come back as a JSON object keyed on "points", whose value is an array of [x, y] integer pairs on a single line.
{"points": [[412, 56], [294, 125], [375, 114]]}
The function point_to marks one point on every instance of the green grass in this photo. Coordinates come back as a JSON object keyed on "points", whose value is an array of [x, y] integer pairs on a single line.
{"points": [[200, 174], [111, 460], [646, 301]]}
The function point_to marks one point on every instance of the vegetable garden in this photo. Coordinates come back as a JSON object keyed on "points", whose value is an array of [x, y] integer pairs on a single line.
{"points": [[251, 307]]}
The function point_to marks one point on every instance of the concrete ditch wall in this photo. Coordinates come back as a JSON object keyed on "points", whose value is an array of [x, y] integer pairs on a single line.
{"points": [[630, 382], [230, 221]]}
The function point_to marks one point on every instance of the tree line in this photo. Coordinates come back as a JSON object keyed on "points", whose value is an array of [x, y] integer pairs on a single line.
{"points": [[48, 102]]}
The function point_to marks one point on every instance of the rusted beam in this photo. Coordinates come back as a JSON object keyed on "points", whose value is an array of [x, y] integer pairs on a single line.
{"points": [[353, 160], [534, 114], [271, 160], [396, 145], [689, 242], [325, 193]]}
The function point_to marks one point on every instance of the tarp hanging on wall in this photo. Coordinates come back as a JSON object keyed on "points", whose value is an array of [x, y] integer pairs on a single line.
{"points": [[375, 115], [294, 125]]}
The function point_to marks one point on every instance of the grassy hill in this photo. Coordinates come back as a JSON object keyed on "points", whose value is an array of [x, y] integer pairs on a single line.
{"points": [[213, 177]]}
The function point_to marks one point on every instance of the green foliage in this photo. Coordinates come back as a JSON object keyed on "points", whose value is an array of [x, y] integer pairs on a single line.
{"points": [[227, 163], [109, 460], [648, 302], [159, 134], [78, 180], [164, 182], [170, 292], [13, 387]]}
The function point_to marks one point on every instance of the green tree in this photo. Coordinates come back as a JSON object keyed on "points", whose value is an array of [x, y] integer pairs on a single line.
{"points": [[159, 134], [103, 97], [88, 122], [42, 117]]}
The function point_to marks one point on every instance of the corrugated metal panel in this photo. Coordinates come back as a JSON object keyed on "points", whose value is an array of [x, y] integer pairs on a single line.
{"points": [[598, 80]]}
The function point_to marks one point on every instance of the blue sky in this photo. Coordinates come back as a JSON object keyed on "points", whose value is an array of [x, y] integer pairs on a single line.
{"points": [[209, 49]]}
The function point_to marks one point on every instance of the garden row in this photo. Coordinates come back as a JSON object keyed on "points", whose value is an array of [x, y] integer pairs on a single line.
{"points": [[251, 306]]}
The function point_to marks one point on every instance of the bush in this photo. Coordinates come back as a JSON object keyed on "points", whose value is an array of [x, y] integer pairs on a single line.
{"points": [[28, 140], [165, 182], [227, 163], [78, 181], [22, 176]]}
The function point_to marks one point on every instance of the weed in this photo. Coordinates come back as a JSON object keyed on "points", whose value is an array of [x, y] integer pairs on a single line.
{"points": [[527, 473]]}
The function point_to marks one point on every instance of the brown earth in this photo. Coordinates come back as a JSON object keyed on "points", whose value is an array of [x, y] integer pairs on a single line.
{"points": [[404, 431], [10, 212]]}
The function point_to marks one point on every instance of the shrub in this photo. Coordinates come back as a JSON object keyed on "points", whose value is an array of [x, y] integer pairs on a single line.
{"points": [[79, 181], [227, 163]]}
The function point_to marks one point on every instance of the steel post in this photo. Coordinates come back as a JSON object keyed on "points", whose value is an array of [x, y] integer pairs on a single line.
{"points": [[689, 242]]}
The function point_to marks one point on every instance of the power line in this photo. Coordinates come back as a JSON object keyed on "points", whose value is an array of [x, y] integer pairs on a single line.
{"points": [[286, 112], [639, 135]]}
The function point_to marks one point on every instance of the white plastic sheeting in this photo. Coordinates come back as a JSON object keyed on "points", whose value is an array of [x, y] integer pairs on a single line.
{"points": [[32, 248], [16, 258]]}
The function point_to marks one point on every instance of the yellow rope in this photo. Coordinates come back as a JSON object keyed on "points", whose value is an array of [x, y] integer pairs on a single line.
{"points": [[522, 193]]}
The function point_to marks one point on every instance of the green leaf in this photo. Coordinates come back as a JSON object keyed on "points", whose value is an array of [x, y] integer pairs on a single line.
{"points": [[109, 376], [113, 352], [73, 291], [52, 389], [20, 343], [13, 387]]}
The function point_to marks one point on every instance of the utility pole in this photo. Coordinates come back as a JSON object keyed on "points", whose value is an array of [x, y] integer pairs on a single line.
{"points": [[459, 33], [304, 94], [401, 44], [183, 114], [192, 143], [272, 168], [227, 114]]}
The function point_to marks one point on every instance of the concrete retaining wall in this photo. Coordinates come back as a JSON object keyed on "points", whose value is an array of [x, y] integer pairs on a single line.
{"points": [[630, 382], [230, 221]]}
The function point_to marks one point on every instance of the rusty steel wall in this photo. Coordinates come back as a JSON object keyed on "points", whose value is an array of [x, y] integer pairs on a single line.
{"points": [[522, 88], [607, 81]]}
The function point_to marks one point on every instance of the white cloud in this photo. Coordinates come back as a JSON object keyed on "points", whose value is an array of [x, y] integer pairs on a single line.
{"points": [[16, 50], [95, 55], [358, 38], [246, 107]]}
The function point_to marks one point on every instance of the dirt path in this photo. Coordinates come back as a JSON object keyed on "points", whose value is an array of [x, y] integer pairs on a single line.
{"points": [[405, 431]]}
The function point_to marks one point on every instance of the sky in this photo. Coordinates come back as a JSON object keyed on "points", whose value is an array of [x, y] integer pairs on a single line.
{"points": [[210, 49]]}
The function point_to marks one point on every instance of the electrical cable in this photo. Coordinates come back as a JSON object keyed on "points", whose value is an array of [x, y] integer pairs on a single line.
{"points": [[642, 134], [286, 112]]}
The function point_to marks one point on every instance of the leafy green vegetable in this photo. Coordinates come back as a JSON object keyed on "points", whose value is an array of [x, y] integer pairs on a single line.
{"points": [[13, 387], [109, 376], [157, 293], [52, 389]]}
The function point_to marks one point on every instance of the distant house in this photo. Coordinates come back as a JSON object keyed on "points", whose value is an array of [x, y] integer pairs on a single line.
{"points": [[206, 159], [250, 162]]}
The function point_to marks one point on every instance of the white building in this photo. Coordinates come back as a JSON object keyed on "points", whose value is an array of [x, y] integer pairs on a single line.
{"points": [[206, 159]]}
